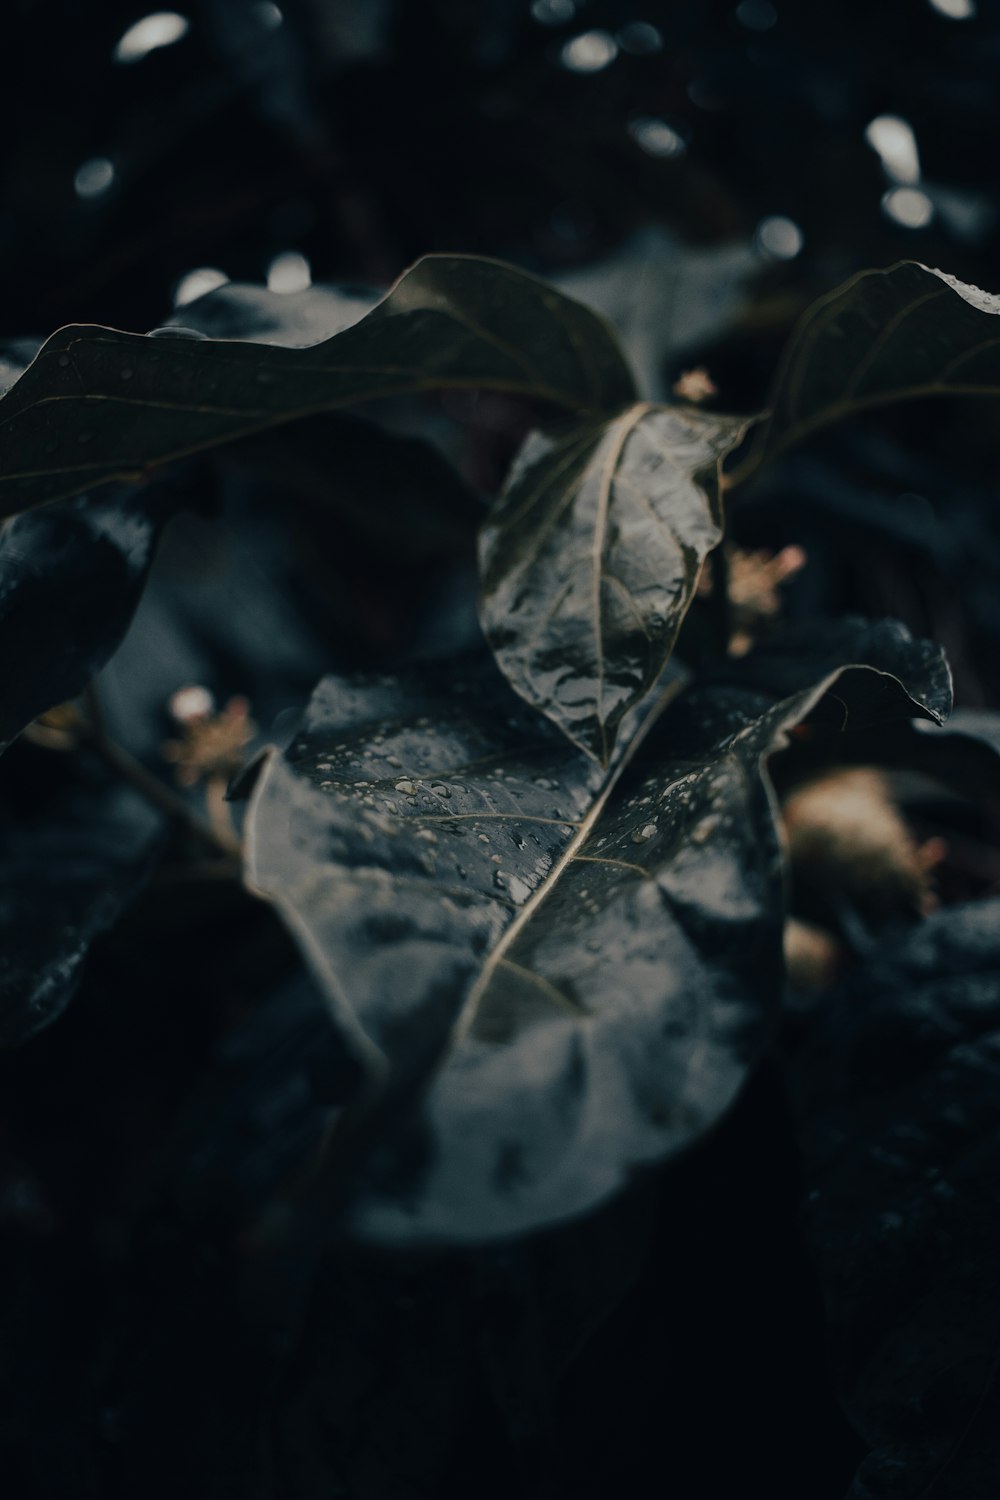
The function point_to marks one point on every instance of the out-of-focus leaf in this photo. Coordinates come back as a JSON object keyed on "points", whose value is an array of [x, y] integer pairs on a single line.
{"points": [[571, 974], [397, 493], [15, 356], [592, 556], [897, 1092], [883, 336], [67, 869], [70, 578], [665, 297], [248, 313], [97, 404]]}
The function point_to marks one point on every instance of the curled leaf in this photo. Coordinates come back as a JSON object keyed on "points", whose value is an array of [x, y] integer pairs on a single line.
{"points": [[592, 556], [884, 336], [97, 404]]}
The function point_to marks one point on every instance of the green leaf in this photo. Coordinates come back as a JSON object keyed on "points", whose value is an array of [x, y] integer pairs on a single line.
{"points": [[96, 404], [592, 556], [552, 976], [883, 336]]}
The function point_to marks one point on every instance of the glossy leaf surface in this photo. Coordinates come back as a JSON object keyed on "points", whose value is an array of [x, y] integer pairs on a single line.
{"points": [[97, 404], [574, 974], [591, 558], [883, 336]]}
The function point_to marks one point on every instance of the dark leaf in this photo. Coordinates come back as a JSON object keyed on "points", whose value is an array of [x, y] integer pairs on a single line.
{"points": [[68, 867], [592, 556], [897, 1090], [70, 579], [665, 297], [883, 336], [97, 404], [574, 973], [396, 494]]}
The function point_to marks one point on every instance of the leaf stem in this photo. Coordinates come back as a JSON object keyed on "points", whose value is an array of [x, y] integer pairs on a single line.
{"points": [[151, 787]]}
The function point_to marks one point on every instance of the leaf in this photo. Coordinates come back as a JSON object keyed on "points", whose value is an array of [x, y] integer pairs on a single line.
{"points": [[395, 495], [571, 975], [72, 857], [592, 556], [243, 311], [884, 336], [70, 579], [97, 404], [665, 297], [897, 1094]]}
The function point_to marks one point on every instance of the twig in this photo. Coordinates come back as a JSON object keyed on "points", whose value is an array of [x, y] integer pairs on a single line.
{"points": [[149, 786]]}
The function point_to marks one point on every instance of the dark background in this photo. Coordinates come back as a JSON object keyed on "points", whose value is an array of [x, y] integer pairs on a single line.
{"points": [[146, 1351]]}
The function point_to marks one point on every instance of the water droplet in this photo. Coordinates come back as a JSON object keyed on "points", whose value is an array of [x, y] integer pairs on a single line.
{"points": [[500, 880], [497, 858], [393, 760], [519, 889], [440, 790], [641, 835], [484, 838], [427, 835], [406, 787]]}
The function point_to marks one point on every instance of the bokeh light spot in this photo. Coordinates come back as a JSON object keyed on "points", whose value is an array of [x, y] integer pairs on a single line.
{"points": [[161, 29], [289, 272], [656, 137], [589, 52], [779, 237], [94, 177], [909, 207], [197, 283]]}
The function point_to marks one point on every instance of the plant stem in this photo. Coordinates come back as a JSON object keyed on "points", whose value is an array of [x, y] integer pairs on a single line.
{"points": [[151, 787], [722, 615]]}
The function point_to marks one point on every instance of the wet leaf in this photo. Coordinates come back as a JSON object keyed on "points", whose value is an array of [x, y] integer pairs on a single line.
{"points": [[98, 404], [884, 336], [71, 859], [70, 579], [897, 1093], [591, 558], [568, 974]]}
